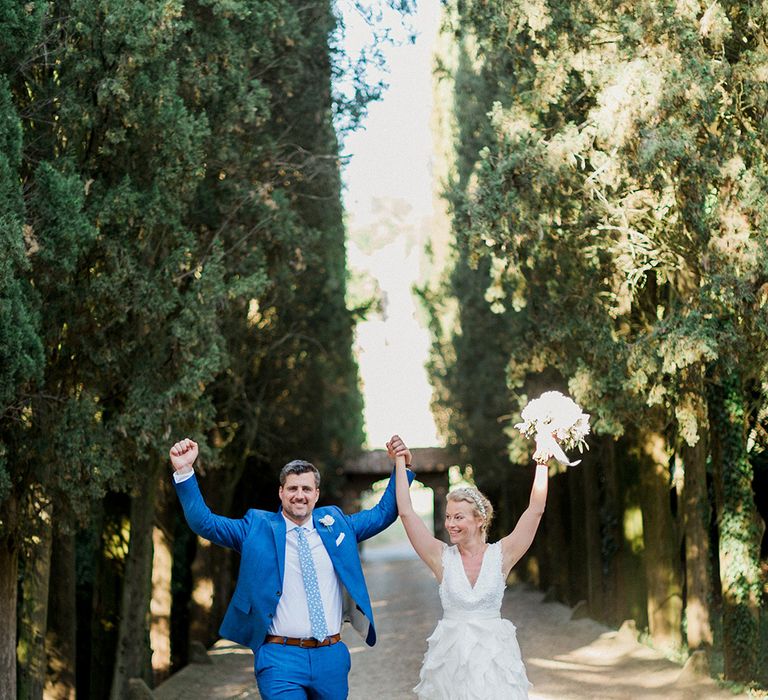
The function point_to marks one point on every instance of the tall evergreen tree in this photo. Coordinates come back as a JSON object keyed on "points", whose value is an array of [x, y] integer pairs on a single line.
{"points": [[610, 216], [21, 360]]}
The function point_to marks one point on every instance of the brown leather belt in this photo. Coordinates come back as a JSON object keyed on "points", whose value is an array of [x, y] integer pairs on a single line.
{"points": [[305, 643]]}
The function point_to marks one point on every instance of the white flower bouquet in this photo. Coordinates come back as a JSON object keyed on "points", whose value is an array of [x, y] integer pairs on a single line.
{"points": [[554, 420]]}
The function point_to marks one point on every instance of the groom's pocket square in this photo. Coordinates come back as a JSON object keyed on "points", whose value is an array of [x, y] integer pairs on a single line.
{"points": [[339, 539]]}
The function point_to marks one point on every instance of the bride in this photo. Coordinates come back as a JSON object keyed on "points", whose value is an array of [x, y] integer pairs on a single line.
{"points": [[473, 653]]}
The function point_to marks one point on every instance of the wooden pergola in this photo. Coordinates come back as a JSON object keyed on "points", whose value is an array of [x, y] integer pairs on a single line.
{"points": [[430, 464]]}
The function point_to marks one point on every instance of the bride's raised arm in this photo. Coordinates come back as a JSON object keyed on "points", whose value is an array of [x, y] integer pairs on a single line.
{"points": [[515, 544], [429, 548]]}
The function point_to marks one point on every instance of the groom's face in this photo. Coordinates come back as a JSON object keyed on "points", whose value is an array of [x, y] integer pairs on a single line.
{"points": [[298, 496]]}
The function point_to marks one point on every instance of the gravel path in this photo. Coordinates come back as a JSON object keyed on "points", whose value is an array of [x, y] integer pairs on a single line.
{"points": [[565, 659]]}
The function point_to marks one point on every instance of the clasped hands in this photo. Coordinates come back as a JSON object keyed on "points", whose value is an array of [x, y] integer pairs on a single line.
{"points": [[396, 448]]}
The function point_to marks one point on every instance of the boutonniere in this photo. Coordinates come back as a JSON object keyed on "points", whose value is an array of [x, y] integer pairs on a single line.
{"points": [[327, 520]]}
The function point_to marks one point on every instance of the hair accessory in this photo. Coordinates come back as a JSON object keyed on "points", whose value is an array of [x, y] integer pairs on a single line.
{"points": [[475, 496]]}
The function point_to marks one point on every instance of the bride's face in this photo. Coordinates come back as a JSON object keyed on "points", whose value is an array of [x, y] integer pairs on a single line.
{"points": [[462, 522]]}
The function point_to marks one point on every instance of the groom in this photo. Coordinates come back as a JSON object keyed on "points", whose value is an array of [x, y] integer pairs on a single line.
{"points": [[287, 604]]}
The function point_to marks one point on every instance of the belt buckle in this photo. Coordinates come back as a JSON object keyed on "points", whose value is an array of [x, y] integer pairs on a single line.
{"points": [[309, 644]]}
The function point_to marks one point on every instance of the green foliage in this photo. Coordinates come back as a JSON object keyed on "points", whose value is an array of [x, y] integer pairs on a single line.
{"points": [[20, 25], [608, 211], [612, 190], [21, 351], [613, 220], [739, 534], [173, 246]]}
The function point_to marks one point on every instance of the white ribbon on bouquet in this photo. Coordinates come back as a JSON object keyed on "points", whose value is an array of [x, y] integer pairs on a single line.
{"points": [[546, 443]]}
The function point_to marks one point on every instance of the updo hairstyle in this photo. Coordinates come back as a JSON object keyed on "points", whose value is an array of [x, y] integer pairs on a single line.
{"points": [[481, 506]]}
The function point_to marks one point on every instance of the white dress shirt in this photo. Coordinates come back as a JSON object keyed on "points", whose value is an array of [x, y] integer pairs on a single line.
{"points": [[178, 477], [292, 615]]}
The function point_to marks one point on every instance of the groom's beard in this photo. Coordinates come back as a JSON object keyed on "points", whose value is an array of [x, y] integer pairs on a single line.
{"points": [[299, 511]]}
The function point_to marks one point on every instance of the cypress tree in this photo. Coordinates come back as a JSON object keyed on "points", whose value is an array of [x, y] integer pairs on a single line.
{"points": [[610, 215]]}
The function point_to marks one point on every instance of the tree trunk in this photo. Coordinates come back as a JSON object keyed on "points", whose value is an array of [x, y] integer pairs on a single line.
{"points": [[103, 547], [9, 562], [212, 587], [202, 626], [133, 659], [662, 556], [61, 640], [577, 540], [611, 513], [594, 560], [698, 574], [554, 542], [740, 575], [212, 572], [33, 612], [160, 605], [632, 588], [184, 546]]}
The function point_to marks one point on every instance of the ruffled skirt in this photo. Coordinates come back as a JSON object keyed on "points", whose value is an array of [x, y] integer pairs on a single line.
{"points": [[473, 660]]}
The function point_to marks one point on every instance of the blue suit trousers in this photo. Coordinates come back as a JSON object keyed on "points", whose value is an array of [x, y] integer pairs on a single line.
{"points": [[293, 673]]}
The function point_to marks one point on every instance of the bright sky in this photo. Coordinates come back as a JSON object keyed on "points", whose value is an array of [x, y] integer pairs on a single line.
{"points": [[389, 200]]}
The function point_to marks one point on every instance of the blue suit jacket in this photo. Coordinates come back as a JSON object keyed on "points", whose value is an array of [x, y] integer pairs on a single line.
{"points": [[259, 538]]}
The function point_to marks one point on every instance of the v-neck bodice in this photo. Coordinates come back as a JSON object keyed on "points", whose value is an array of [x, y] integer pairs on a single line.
{"points": [[479, 569], [460, 598]]}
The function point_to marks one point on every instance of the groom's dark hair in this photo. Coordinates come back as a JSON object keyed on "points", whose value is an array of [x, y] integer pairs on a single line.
{"points": [[299, 466]]}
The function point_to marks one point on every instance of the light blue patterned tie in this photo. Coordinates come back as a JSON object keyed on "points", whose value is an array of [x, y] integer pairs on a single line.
{"points": [[314, 601]]}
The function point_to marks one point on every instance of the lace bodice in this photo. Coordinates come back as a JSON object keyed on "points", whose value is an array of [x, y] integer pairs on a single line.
{"points": [[463, 601]]}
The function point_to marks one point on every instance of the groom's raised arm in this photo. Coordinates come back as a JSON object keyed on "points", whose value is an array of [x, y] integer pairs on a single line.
{"points": [[225, 532]]}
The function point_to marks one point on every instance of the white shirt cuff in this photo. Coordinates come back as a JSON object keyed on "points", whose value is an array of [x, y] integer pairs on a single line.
{"points": [[178, 477]]}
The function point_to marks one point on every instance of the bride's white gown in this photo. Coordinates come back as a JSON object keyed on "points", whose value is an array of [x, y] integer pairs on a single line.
{"points": [[473, 653]]}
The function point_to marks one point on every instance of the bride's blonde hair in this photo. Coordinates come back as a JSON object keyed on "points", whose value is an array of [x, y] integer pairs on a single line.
{"points": [[480, 504]]}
